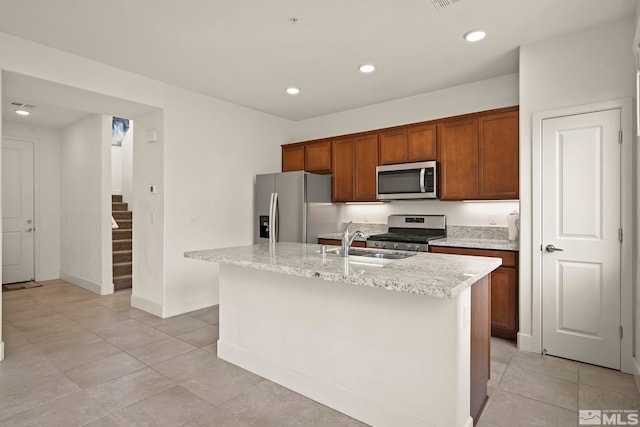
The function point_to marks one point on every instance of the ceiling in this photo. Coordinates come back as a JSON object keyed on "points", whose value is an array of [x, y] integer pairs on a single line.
{"points": [[57, 106], [248, 52]]}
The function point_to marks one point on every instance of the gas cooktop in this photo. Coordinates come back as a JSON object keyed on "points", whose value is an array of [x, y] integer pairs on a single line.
{"points": [[410, 232]]}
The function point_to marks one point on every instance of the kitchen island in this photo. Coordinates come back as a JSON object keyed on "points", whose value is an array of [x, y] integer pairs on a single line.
{"points": [[405, 342]]}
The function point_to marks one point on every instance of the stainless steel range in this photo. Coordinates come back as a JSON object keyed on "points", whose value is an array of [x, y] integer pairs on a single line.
{"points": [[410, 232]]}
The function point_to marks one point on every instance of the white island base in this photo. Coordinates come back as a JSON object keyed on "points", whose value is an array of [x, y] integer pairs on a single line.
{"points": [[385, 358]]}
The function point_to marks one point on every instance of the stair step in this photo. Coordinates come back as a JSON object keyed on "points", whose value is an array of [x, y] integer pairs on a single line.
{"points": [[124, 224], [122, 256], [122, 245], [122, 282], [116, 198], [119, 206], [122, 269], [121, 234], [126, 215]]}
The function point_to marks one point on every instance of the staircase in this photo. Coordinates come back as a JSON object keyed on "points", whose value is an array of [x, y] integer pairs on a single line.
{"points": [[122, 243]]}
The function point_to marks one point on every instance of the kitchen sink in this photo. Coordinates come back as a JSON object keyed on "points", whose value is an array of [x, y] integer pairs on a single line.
{"points": [[377, 254]]}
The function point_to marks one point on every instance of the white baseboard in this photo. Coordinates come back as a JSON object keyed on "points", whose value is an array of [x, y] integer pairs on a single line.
{"points": [[339, 398], [146, 305], [636, 367], [175, 308], [525, 342], [50, 275], [90, 286], [1, 351]]}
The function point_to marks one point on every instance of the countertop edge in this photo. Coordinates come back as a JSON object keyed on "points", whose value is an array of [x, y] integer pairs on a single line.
{"points": [[498, 245], [392, 285]]}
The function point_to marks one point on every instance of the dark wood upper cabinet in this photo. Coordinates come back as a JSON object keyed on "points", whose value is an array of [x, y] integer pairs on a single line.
{"points": [[499, 156], [478, 156], [292, 158], [393, 147], [354, 169], [317, 156], [366, 160], [421, 143], [342, 154], [458, 151], [411, 144]]}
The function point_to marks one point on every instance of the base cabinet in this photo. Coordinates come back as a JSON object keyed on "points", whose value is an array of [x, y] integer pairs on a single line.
{"points": [[504, 289]]}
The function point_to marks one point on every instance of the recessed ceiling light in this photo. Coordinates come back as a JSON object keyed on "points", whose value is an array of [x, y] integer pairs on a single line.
{"points": [[367, 68], [474, 35], [293, 91], [22, 112]]}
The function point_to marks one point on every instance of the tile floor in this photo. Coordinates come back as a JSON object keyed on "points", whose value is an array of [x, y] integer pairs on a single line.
{"points": [[74, 358]]}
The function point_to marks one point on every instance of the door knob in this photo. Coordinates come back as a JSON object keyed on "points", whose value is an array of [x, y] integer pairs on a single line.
{"points": [[551, 248], [28, 229]]}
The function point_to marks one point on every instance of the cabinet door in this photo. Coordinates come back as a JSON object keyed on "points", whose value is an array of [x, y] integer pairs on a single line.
{"points": [[317, 156], [421, 143], [498, 149], [343, 163], [292, 158], [504, 289], [504, 303], [393, 147], [458, 151], [366, 160]]}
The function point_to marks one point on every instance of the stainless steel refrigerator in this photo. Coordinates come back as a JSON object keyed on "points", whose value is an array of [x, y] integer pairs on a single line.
{"points": [[293, 207]]}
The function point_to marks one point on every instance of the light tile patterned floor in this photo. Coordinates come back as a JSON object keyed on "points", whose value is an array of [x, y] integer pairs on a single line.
{"points": [[74, 358]]}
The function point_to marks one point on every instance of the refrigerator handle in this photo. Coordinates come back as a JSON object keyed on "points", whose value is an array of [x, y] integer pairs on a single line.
{"points": [[276, 216], [271, 218]]}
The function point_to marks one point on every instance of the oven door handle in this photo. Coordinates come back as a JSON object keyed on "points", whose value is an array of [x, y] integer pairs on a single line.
{"points": [[422, 172]]}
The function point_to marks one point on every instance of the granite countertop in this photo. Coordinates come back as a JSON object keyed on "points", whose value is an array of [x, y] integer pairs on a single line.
{"points": [[496, 244], [338, 236], [430, 274]]}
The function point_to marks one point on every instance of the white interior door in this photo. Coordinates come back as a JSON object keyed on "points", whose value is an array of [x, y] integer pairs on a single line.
{"points": [[581, 217], [17, 211]]}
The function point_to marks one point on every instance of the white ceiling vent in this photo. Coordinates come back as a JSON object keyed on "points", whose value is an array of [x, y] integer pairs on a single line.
{"points": [[22, 105], [441, 4]]}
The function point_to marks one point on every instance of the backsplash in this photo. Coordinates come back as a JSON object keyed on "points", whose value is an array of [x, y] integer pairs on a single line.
{"points": [[368, 228], [474, 232]]}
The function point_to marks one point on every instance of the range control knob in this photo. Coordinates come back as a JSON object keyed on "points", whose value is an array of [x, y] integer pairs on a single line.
{"points": [[377, 244], [395, 246]]}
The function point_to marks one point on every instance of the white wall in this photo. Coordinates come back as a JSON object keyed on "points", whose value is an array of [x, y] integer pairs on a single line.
{"points": [[479, 96], [210, 166], [581, 68], [1, 340], [148, 216], [212, 151], [122, 167], [47, 195], [126, 166], [458, 213], [116, 169], [85, 243]]}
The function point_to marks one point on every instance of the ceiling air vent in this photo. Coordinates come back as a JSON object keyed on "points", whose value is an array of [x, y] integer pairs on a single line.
{"points": [[22, 105], [441, 4]]}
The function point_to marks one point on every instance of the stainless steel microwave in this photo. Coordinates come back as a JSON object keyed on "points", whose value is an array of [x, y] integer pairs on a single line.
{"points": [[407, 181]]}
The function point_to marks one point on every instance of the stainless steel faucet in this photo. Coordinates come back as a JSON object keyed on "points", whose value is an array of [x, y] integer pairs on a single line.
{"points": [[347, 241]]}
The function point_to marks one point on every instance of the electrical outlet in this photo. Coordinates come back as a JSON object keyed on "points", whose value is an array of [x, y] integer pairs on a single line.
{"points": [[492, 219]]}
